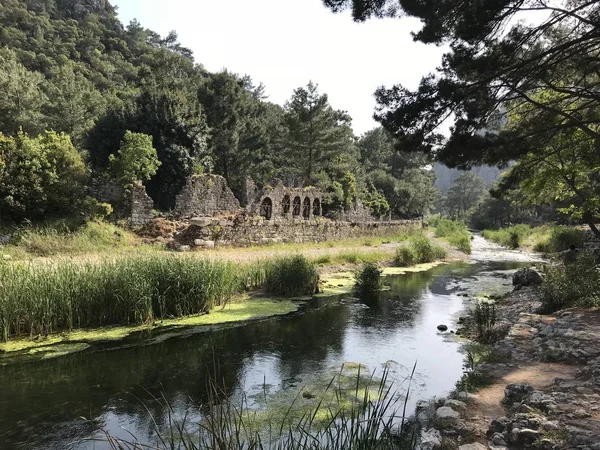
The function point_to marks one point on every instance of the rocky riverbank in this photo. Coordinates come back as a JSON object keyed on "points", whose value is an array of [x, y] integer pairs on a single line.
{"points": [[538, 383]]}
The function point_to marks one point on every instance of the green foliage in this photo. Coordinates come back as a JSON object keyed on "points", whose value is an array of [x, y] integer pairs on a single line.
{"points": [[465, 193], [96, 210], [574, 284], [39, 299], [136, 159], [547, 239], [420, 250], [40, 176], [561, 238], [511, 237], [453, 231], [368, 279], [292, 276]]}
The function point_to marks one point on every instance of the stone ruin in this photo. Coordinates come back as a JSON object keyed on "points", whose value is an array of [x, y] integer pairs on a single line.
{"points": [[279, 201], [205, 195]]}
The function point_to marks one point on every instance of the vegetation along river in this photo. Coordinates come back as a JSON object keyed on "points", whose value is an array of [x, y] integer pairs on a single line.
{"points": [[43, 403]]}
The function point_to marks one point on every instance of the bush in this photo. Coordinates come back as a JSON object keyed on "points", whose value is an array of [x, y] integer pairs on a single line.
{"points": [[405, 256], [40, 175], [485, 318], [368, 279], [290, 276], [462, 242], [419, 250], [574, 284], [561, 238]]}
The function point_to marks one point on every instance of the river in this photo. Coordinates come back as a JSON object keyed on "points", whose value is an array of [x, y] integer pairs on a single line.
{"points": [[43, 404]]}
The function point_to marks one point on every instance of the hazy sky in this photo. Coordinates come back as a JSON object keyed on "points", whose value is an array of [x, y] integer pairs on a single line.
{"points": [[286, 43]]}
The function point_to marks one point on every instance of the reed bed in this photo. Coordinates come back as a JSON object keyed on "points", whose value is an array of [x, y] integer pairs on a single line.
{"points": [[39, 299]]}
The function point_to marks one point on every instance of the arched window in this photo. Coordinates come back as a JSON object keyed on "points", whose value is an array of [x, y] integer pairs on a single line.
{"points": [[306, 208], [316, 207], [297, 205], [266, 208], [286, 204]]}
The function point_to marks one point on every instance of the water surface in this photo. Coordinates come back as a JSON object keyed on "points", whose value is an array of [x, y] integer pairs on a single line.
{"points": [[42, 403]]}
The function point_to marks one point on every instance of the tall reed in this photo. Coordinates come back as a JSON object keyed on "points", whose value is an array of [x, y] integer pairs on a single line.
{"points": [[45, 298]]}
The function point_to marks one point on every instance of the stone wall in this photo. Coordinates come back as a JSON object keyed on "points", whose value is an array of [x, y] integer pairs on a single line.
{"points": [[142, 206], [205, 195], [281, 202], [241, 230]]}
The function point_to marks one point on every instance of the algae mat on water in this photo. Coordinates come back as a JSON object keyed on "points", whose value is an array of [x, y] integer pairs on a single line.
{"points": [[343, 282], [242, 310]]}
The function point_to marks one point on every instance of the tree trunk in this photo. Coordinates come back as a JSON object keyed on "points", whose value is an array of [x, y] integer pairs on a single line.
{"points": [[590, 221]]}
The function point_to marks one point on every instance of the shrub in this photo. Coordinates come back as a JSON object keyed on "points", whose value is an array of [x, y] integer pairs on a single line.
{"points": [[368, 279], [426, 251], [290, 276], [405, 256], [561, 238], [455, 232], [462, 242], [419, 250], [574, 284]]}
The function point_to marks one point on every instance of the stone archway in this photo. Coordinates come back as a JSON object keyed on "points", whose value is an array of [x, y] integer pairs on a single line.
{"points": [[297, 206], [316, 207], [266, 208], [286, 204], [306, 208]]}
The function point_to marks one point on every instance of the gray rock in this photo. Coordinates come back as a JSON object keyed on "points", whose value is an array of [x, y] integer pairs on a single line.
{"points": [[526, 277], [430, 439], [498, 439], [442, 327], [474, 446], [528, 436], [184, 248], [456, 405], [445, 412]]}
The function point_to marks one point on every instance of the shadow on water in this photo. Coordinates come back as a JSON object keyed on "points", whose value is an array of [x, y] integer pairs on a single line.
{"points": [[41, 403]]}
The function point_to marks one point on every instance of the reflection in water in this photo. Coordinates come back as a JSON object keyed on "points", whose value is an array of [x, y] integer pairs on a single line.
{"points": [[41, 403]]}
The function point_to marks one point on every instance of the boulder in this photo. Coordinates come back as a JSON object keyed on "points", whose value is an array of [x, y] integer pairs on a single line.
{"points": [[445, 412], [474, 446], [456, 405], [442, 327], [430, 439], [526, 277]]}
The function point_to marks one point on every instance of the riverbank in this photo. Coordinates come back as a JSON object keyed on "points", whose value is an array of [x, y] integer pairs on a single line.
{"points": [[536, 384]]}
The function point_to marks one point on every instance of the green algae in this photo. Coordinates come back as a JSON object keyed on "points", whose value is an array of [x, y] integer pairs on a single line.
{"points": [[244, 309], [321, 398], [414, 269]]}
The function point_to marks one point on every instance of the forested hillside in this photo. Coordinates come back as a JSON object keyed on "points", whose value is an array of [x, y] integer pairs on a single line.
{"points": [[72, 67]]}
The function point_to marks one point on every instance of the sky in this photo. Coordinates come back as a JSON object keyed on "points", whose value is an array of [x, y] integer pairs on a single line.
{"points": [[287, 43]]}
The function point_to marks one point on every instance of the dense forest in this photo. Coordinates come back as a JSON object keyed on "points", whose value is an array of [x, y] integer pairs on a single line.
{"points": [[74, 80]]}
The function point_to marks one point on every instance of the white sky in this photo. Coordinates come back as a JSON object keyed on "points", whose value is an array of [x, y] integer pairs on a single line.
{"points": [[286, 43]]}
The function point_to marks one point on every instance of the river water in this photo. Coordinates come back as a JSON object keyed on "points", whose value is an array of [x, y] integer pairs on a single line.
{"points": [[43, 404]]}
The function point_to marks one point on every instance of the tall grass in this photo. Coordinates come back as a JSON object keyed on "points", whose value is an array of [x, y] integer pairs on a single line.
{"points": [[419, 250], [547, 238], [45, 298], [375, 420], [368, 279], [454, 232]]}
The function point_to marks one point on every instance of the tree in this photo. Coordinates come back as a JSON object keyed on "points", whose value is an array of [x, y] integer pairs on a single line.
{"points": [[320, 136], [566, 172], [465, 193], [495, 62], [136, 160], [21, 96], [74, 104], [40, 176]]}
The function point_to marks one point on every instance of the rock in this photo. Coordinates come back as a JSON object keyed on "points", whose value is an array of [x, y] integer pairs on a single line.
{"points": [[184, 248], [526, 277], [516, 392], [442, 327], [549, 426], [4, 239], [526, 409], [474, 446], [204, 244], [456, 405], [430, 439], [498, 439], [528, 436], [6, 257], [445, 412], [498, 426]]}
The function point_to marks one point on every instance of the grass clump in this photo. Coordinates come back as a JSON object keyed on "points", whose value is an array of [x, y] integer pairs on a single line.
{"points": [[574, 284], [368, 279], [419, 250], [560, 239], [290, 276], [455, 232]]}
